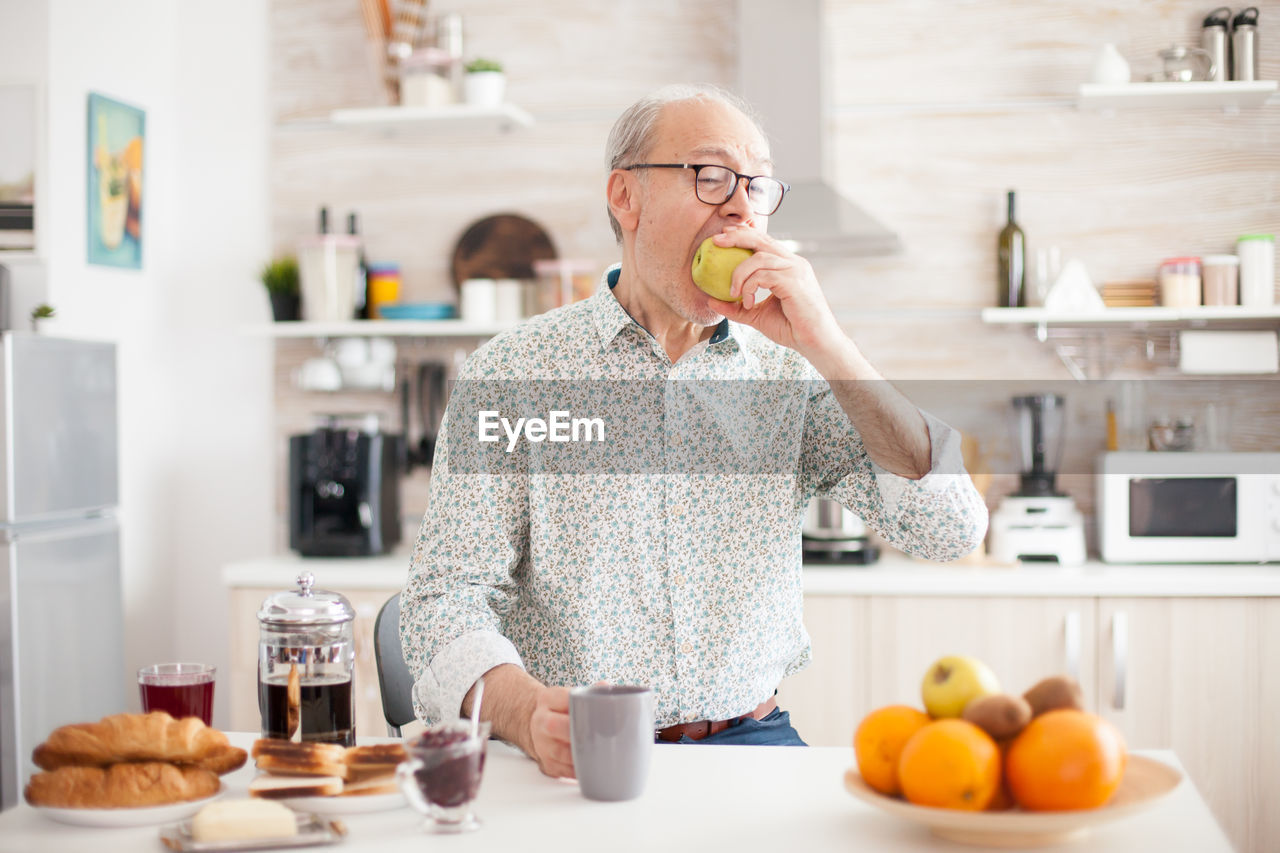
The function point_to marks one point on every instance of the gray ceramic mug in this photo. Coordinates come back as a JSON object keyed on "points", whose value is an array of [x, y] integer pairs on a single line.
{"points": [[611, 734]]}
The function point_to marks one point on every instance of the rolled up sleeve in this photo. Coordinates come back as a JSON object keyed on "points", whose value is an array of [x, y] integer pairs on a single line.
{"points": [[941, 516]]}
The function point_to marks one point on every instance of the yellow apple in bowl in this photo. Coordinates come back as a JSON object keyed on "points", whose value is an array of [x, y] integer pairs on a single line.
{"points": [[954, 681], [713, 268]]}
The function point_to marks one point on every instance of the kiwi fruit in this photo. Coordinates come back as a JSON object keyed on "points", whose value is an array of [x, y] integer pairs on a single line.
{"points": [[1054, 692], [998, 714]]}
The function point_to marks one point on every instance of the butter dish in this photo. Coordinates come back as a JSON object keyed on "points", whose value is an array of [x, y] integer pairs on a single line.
{"points": [[313, 831]]}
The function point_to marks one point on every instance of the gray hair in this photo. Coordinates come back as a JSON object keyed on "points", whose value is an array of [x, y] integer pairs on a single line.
{"points": [[632, 133]]}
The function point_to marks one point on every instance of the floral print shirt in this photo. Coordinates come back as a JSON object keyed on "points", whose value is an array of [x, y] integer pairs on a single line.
{"points": [[674, 559]]}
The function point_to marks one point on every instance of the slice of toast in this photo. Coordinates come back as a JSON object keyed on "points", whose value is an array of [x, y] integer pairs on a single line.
{"points": [[299, 752], [284, 766], [378, 755], [272, 787], [383, 784]]}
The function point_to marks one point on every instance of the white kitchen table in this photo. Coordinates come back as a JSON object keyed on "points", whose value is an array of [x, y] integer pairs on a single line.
{"points": [[706, 798]]}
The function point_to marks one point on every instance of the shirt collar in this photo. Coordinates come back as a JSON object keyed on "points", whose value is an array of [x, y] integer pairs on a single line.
{"points": [[610, 317]]}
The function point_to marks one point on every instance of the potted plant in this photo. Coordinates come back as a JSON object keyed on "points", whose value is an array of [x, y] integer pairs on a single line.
{"points": [[280, 277], [41, 312], [485, 83]]}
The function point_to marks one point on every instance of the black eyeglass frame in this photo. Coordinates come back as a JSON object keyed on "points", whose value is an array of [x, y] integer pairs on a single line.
{"points": [[738, 178]]}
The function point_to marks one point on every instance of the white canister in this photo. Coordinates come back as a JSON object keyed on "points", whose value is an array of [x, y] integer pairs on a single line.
{"points": [[479, 300], [508, 301], [1257, 269]]}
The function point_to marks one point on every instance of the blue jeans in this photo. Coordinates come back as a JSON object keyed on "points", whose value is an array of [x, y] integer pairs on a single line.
{"points": [[774, 730]]}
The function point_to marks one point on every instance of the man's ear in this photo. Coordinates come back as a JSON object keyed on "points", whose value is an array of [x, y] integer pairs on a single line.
{"points": [[624, 200]]}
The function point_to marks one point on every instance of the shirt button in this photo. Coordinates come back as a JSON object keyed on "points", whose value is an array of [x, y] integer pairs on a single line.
{"points": [[678, 580], [678, 510], [686, 647]]}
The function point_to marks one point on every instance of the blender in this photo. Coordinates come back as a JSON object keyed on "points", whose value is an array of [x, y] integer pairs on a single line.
{"points": [[1037, 523]]}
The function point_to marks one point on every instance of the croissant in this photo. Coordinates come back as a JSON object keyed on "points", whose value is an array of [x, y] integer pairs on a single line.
{"points": [[224, 760], [149, 783], [130, 737]]}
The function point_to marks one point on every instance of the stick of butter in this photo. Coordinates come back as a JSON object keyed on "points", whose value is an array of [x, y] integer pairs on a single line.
{"points": [[237, 820]]}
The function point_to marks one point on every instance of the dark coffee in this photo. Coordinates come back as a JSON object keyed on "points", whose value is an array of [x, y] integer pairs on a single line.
{"points": [[326, 712], [452, 765]]}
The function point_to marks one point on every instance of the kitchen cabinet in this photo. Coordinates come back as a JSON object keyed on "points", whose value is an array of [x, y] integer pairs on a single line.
{"points": [[244, 603], [1021, 639], [898, 637], [827, 698], [1197, 675], [1181, 672]]}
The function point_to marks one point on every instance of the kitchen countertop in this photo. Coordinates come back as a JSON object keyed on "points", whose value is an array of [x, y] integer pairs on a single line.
{"points": [[739, 798], [894, 574]]}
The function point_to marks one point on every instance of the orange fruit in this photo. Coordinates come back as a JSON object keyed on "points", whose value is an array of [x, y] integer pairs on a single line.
{"points": [[1064, 760], [879, 740], [950, 764]]}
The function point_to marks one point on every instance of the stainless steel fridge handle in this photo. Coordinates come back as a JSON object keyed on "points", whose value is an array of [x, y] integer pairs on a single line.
{"points": [[1119, 656], [1071, 643]]}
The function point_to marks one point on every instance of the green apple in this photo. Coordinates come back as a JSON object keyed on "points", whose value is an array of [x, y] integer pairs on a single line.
{"points": [[713, 268], [953, 682]]}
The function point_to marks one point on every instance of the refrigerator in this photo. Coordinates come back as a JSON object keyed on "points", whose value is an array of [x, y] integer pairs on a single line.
{"points": [[61, 608]]}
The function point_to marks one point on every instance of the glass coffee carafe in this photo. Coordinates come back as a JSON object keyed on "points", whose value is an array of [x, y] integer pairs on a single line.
{"points": [[306, 662]]}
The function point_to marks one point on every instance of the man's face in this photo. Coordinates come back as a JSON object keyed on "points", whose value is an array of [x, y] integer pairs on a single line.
{"points": [[673, 222]]}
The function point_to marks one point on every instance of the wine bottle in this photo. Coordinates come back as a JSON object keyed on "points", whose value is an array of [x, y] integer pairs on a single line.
{"points": [[1011, 264], [362, 273]]}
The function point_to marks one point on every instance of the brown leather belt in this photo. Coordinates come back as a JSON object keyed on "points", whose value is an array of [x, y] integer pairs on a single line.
{"points": [[705, 728]]}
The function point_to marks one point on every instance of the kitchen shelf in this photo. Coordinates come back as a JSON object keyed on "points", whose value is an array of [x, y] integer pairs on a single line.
{"points": [[1083, 341], [378, 329], [504, 117], [1231, 95], [1206, 315]]}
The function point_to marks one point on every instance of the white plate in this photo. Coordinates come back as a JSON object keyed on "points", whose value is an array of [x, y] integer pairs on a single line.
{"points": [[141, 816], [346, 805]]}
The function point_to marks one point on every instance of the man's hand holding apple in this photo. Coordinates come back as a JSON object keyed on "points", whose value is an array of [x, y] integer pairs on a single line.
{"points": [[796, 316]]}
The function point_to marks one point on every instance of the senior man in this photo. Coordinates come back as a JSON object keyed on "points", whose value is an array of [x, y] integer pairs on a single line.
{"points": [[674, 575]]}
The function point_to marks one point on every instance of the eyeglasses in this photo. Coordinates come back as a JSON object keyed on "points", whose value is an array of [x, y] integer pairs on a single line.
{"points": [[715, 185]]}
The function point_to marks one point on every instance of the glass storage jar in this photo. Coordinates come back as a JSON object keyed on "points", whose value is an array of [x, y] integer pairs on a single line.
{"points": [[1180, 282], [1220, 279]]}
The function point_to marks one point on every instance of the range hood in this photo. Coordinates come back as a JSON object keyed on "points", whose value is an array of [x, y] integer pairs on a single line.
{"points": [[784, 72]]}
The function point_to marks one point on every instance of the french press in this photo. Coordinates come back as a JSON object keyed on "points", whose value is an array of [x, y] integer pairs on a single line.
{"points": [[306, 665]]}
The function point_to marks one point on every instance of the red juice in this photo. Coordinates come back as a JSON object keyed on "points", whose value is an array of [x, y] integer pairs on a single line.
{"points": [[180, 700]]}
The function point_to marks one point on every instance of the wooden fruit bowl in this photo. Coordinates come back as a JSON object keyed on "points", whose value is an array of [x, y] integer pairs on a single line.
{"points": [[1145, 782]]}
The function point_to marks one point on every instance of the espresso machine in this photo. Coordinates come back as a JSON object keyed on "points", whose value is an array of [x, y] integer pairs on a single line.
{"points": [[344, 488], [1037, 523]]}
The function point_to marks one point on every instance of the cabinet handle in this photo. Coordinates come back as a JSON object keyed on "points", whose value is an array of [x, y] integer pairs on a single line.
{"points": [[1119, 655], [1071, 643]]}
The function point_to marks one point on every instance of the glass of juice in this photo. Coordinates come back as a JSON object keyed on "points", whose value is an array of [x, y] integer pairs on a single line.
{"points": [[181, 689]]}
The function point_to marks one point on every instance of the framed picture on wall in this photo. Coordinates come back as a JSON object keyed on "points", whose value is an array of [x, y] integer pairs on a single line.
{"points": [[116, 141], [17, 168]]}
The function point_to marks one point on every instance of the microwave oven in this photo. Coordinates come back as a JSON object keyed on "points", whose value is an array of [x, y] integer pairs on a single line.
{"points": [[1176, 507]]}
